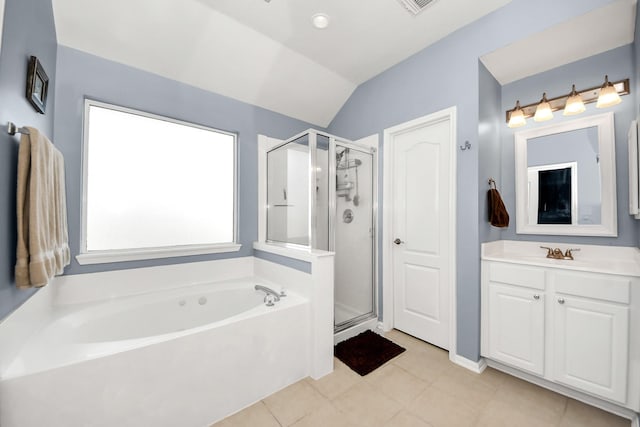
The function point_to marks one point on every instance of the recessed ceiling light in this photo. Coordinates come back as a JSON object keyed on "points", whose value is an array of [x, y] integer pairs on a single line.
{"points": [[320, 20]]}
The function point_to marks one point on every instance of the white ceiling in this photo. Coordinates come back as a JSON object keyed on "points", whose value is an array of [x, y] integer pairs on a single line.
{"points": [[268, 54], [263, 53], [602, 29]]}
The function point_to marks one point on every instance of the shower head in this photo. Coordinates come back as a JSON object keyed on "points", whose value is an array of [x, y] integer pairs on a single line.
{"points": [[340, 155]]}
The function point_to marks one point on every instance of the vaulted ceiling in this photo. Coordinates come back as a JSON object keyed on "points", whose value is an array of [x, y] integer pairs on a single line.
{"points": [[595, 32], [264, 53], [268, 54]]}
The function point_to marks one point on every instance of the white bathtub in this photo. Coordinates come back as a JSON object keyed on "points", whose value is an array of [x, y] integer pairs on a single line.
{"points": [[187, 356]]}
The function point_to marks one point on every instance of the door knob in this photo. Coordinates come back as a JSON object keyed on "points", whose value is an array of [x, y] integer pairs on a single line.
{"points": [[398, 241]]}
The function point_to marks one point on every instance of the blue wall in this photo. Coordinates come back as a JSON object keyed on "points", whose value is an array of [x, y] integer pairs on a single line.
{"points": [[296, 264], [589, 72], [28, 30], [489, 148], [82, 75], [443, 75]]}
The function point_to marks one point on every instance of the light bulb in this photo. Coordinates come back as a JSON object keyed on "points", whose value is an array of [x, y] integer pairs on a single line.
{"points": [[574, 103], [543, 111], [320, 21], [516, 118], [608, 95]]}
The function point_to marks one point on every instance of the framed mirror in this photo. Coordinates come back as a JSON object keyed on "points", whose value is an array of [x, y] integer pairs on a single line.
{"points": [[566, 178]]}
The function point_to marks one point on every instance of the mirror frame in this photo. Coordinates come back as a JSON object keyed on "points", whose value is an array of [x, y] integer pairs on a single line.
{"points": [[606, 145]]}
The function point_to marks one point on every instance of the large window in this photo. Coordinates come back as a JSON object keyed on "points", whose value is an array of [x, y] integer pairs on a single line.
{"points": [[155, 187]]}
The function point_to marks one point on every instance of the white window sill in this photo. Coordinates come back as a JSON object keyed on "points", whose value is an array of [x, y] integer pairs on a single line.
{"points": [[104, 257]]}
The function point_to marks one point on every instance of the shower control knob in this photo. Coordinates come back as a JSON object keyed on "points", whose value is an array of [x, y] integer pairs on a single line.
{"points": [[398, 242]]}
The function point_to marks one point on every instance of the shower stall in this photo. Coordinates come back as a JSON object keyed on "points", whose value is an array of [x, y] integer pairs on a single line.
{"points": [[321, 194]]}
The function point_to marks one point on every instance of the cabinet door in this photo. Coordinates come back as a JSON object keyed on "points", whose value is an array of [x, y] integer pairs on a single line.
{"points": [[591, 346], [516, 327]]}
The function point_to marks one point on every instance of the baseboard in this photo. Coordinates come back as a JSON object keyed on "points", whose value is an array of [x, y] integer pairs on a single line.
{"points": [[477, 367]]}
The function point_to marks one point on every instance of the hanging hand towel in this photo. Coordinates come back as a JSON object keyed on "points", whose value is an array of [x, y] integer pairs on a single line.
{"points": [[43, 244], [498, 215]]}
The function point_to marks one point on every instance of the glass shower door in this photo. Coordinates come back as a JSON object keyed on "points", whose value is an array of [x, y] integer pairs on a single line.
{"points": [[353, 236], [288, 207], [321, 195]]}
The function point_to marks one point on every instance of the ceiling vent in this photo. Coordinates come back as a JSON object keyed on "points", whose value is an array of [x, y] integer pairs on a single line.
{"points": [[415, 6]]}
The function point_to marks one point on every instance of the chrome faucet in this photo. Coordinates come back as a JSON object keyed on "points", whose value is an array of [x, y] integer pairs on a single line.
{"points": [[269, 291], [557, 253]]}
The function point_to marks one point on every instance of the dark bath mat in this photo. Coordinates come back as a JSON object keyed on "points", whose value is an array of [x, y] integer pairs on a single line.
{"points": [[366, 352]]}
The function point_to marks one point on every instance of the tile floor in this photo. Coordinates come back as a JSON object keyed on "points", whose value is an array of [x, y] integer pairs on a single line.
{"points": [[419, 388]]}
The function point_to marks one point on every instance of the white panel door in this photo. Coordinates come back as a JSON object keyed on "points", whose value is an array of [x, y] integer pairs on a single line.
{"points": [[422, 222], [516, 327], [591, 346]]}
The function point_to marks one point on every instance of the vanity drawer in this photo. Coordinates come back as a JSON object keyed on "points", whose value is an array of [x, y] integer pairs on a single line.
{"points": [[602, 287], [513, 274]]}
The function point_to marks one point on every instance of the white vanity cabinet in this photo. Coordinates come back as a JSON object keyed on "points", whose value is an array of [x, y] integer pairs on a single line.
{"points": [[591, 333], [575, 325], [517, 316]]}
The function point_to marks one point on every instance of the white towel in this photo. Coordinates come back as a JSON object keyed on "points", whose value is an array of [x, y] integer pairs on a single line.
{"points": [[43, 243]]}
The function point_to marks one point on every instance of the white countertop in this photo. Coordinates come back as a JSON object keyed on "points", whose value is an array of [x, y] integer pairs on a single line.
{"points": [[618, 260]]}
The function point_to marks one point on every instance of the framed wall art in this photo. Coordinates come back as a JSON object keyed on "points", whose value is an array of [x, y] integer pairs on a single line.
{"points": [[37, 85]]}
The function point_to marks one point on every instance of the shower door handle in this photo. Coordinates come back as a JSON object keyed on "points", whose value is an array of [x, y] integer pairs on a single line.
{"points": [[398, 241]]}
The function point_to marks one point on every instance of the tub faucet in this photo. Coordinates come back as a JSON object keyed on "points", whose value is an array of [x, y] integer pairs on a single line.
{"points": [[269, 291]]}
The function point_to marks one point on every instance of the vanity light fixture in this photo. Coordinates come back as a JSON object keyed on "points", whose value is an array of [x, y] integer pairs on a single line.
{"points": [[515, 117], [574, 104], [606, 95], [320, 20], [543, 110]]}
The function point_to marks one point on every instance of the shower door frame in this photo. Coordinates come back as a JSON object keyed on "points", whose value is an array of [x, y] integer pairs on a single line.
{"points": [[333, 140]]}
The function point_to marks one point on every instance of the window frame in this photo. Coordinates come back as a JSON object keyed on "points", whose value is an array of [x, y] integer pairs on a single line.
{"points": [[120, 255]]}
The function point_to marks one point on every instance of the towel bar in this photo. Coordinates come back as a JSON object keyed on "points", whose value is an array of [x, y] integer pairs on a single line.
{"points": [[12, 129]]}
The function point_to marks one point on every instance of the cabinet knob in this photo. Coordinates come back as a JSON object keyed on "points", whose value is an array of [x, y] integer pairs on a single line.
{"points": [[560, 300], [398, 241], [536, 296]]}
